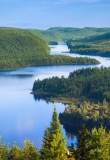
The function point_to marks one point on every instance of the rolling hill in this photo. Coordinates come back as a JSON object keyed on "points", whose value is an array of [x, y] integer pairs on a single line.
{"points": [[19, 48], [93, 45], [59, 34]]}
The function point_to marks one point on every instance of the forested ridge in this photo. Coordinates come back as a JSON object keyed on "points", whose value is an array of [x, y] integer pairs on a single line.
{"points": [[82, 84], [91, 145], [19, 48], [59, 34], [93, 45]]}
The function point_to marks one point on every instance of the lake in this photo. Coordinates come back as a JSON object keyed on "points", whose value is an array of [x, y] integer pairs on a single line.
{"points": [[21, 116]]}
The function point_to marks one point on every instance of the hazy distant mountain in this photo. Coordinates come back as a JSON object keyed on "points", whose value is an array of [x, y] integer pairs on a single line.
{"points": [[67, 33]]}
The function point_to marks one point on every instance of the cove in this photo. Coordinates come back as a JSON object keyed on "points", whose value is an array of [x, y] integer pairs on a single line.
{"points": [[21, 116]]}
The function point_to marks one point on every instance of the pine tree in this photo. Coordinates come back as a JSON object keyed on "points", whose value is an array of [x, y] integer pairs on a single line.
{"points": [[82, 144], [15, 153], [4, 150], [45, 150], [29, 151], [53, 146], [99, 144]]}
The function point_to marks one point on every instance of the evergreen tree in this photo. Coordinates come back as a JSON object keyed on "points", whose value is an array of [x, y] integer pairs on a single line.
{"points": [[29, 151], [45, 150], [99, 144], [53, 146], [82, 144], [4, 150], [15, 153]]}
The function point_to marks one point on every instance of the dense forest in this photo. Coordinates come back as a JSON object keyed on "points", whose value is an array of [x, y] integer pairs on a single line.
{"points": [[91, 145], [90, 114], [82, 84], [62, 34], [19, 48], [95, 45]]}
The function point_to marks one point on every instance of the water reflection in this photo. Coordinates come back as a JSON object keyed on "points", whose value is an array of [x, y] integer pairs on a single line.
{"points": [[42, 98], [20, 76]]}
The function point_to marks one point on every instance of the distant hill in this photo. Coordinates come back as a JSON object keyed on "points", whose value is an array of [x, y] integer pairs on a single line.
{"points": [[93, 45], [59, 34], [19, 48], [105, 36]]}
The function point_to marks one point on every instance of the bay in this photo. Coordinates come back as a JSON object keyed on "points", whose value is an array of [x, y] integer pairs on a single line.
{"points": [[21, 116]]}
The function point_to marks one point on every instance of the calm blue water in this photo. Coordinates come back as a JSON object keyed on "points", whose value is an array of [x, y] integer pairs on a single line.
{"points": [[21, 116]]}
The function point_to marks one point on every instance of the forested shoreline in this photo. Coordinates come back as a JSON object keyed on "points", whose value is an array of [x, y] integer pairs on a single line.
{"points": [[89, 83], [95, 45], [90, 114]]}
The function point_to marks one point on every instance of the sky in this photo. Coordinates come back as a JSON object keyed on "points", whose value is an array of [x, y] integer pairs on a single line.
{"points": [[43, 14]]}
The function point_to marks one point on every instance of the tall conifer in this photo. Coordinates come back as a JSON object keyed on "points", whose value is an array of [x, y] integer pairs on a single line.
{"points": [[82, 144], [53, 146]]}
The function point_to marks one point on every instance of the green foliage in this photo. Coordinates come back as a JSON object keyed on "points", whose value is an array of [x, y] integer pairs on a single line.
{"points": [[99, 144], [96, 45], [45, 150], [15, 153], [53, 146], [4, 150], [94, 146], [65, 60], [84, 83], [60, 34], [82, 144], [19, 48], [29, 152], [89, 114]]}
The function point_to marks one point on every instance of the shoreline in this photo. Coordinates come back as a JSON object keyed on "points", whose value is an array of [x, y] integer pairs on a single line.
{"points": [[51, 97]]}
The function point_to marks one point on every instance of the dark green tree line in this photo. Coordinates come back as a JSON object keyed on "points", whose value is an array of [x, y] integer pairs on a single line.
{"points": [[84, 83], [96, 45]]}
